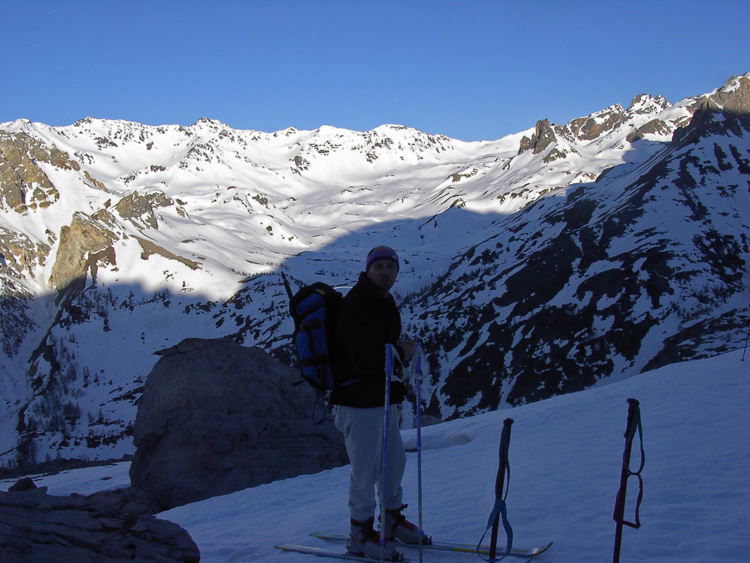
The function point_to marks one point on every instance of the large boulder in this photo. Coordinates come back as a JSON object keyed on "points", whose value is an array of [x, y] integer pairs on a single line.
{"points": [[108, 526], [216, 417]]}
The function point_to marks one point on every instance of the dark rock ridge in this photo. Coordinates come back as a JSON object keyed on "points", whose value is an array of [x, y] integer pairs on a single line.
{"points": [[216, 417], [103, 527]]}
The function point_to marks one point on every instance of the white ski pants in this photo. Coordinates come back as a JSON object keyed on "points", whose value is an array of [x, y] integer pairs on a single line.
{"points": [[363, 437]]}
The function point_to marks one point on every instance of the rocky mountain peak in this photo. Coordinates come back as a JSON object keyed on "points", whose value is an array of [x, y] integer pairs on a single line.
{"points": [[645, 104], [734, 95], [725, 112], [543, 137], [597, 124]]}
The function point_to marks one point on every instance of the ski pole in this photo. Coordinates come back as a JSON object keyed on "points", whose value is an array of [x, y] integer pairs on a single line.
{"points": [[499, 510], [633, 426], [503, 467], [418, 381], [746, 339], [386, 429]]}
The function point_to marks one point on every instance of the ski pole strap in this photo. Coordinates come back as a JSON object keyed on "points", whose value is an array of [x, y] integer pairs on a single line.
{"points": [[634, 426], [504, 467], [621, 499], [407, 370], [500, 510]]}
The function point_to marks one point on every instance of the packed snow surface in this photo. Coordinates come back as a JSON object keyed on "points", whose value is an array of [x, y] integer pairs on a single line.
{"points": [[565, 454]]}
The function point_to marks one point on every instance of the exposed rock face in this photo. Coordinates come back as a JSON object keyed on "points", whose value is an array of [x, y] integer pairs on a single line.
{"points": [[655, 126], [20, 252], [103, 527], [15, 322], [542, 138], [217, 417], [17, 253], [139, 209], [734, 96], [23, 184], [593, 126], [82, 245], [645, 104]]}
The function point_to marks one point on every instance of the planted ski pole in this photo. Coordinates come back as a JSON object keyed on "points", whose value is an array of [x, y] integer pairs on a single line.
{"points": [[386, 427], [746, 339], [499, 510], [633, 426], [418, 375]]}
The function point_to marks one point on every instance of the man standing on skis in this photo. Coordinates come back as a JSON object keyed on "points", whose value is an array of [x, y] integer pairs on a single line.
{"points": [[368, 320]]}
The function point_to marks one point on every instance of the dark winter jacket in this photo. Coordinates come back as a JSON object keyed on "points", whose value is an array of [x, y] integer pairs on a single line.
{"points": [[367, 322]]}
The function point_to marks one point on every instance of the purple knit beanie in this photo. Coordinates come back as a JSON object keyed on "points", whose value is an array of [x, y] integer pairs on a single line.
{"points": [[381, 253]]}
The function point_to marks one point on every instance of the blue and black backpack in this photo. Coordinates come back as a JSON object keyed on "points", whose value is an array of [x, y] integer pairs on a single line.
{"points": [[315, 309]]}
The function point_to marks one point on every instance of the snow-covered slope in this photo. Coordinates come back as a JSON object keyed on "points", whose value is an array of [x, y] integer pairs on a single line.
{"points": [[523, 275], [565, 456], [644, 267]]}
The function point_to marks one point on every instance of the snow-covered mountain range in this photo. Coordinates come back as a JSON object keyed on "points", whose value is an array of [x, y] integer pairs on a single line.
{"points": [[532, 265]]}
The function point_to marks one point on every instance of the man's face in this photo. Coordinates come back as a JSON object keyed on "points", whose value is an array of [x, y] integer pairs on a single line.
{"points": [[383, 274]]}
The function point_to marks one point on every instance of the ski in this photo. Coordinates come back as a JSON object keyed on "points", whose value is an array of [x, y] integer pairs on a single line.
{"points": [[446, 546], [322, 552]]}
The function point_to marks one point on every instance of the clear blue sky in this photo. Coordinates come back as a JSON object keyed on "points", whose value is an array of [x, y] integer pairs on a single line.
{"points": [[468, 69]]}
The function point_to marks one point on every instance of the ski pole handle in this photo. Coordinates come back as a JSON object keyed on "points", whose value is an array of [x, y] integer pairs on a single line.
{"points": [[503, 465], [389, 351]]}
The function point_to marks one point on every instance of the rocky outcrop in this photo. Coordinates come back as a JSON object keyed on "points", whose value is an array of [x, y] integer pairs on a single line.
{"points": [[82, 245], [217, 417], [734, 96], [106, 526], [20, 252], [653, 127], [15, 320], [139, 209], [23, 183], [645, 104], [543, 137], [595, 125]]}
